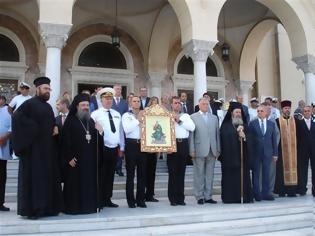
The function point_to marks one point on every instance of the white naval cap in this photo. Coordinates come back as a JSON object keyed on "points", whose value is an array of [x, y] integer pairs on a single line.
{"points": [[254, 99], [106, 92], [23, 85]]}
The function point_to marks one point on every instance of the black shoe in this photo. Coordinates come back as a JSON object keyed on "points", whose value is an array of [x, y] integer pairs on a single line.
{"points": [[292, 195], [173, 204], [211, 201], [32, 217], [281, 194], [120, 173], [110, 204], [257, 198], [132, 205], [141, 205], [201, 201], [151, 199], [3, 208], [268, 198], [303, 194], [181, 203]]}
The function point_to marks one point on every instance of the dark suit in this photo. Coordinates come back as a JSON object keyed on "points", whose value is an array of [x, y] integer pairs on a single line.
{"points": [[121, 107], [93, 103], [146, 103], [59, 123], [306, 153], [188, 108], [262, 147]]}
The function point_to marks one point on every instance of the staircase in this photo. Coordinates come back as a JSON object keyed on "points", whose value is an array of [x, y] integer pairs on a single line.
{"points": [[284, 216]]}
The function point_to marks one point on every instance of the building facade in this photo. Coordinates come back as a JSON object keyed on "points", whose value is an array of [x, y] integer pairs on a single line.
{"points": [[166, 46]]}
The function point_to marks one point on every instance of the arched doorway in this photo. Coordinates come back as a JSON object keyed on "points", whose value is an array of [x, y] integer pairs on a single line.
{"points": [[97, 63]]}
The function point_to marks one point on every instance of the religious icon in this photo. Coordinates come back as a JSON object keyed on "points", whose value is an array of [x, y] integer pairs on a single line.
{"points": [[158, 130]]}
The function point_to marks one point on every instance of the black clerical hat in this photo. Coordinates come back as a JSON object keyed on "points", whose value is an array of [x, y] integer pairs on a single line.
{"points": [[235, 105], [286, 103], [76, 100], [41, 80]]}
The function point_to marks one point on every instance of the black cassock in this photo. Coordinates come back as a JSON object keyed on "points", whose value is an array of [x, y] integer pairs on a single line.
{"points": [[39, 188], [80, 182], [231, 167]]}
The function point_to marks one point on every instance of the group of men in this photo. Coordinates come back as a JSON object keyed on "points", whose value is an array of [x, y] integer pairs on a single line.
{"points": [[80, 149]]}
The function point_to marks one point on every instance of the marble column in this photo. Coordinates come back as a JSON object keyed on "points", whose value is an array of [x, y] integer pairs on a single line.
{"points": [[244, 88], [156, 79], [307, 64], [54, 37], [199, 51]]}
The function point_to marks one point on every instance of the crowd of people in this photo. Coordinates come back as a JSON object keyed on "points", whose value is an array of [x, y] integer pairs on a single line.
{"points": [[68, 163]]}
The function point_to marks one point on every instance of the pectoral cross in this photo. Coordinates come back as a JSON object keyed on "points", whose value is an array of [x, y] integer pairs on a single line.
{"points": [[88, 136]]}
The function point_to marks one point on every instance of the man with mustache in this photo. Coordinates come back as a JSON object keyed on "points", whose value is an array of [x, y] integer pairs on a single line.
{"points": [[33, 131]]}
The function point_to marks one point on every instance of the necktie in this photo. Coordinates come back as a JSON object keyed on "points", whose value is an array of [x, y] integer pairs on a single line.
{"points": [[111, 122], [205, 117], [63, 118], [262, 127], [184, 108], [117, 100]]}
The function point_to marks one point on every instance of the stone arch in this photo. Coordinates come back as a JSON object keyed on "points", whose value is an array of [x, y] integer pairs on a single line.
{"points": [[297, 24], [91, 33], [250, 48], [15, 39], [102, 38]]}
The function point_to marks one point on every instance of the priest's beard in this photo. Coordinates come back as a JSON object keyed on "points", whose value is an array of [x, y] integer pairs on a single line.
{"points": [[83, 115], [237, 121]]}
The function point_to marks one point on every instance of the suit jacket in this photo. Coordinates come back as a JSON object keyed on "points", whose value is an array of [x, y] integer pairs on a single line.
{"points": [[59, 123], [146, 103], [190, 108], [206, 137], [122, 107], [306, 138], [262, 145], [246, 112]]}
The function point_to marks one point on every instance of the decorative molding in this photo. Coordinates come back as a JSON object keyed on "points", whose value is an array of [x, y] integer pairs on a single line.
{"points": [[306, 63], [13, 70], [199, 50], [82, 74], [54, 35]]}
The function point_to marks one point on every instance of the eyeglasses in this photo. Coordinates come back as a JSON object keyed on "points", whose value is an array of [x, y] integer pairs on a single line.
{"points": [[260, 110]]}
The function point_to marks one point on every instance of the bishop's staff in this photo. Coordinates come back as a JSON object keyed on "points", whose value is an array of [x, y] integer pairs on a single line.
{"points": [[99, 132], [240, 130]]}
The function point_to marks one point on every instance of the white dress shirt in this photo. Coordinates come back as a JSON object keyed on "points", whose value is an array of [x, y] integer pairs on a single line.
{"points": [[265, 124], [308, 123], [131, 125], [184, 126], [111, 139]]}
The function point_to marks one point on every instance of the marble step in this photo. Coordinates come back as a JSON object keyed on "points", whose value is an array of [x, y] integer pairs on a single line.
{"points": [[160, 219], [121, 193]]}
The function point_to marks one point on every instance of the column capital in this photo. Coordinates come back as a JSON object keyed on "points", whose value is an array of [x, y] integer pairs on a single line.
{"points": [[306, 63], [244, 85], [54, 35], [199, 50], [156, 77]]}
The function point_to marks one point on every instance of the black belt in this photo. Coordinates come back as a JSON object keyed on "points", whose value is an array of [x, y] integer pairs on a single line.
{"points": [[180, 140], [133, 140]]}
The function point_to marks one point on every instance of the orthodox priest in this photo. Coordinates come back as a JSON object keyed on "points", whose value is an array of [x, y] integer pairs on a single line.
{"points": [[33, 131], [286, 172], [79, 158], [232, 131]]}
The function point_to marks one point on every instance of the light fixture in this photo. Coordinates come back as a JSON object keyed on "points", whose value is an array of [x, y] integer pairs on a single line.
{"points": [[225, 48], [115, 34]]}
